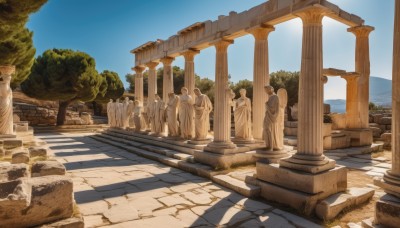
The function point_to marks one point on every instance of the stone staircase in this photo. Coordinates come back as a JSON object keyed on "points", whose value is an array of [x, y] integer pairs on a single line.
{"points": [[176, 154]]}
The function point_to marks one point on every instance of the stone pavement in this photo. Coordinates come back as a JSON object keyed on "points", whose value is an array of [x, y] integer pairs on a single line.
{"points": [[114, 188]]}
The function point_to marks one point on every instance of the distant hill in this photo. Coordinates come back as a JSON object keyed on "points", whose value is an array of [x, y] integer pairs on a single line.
{"points": [[380, 93]]}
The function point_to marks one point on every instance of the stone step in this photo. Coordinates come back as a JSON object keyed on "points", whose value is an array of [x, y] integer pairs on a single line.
{"points": [[329, 208], [152, 141], [155, 149], [239, 186]]}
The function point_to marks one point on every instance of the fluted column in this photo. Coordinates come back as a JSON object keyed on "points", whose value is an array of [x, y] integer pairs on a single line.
{"points": [[152, 82], [309, 156], [168, 79], [222, 113], [139, 83], [261, 77], [391, 183], [363, 68], [352, 104], [189, 70]]}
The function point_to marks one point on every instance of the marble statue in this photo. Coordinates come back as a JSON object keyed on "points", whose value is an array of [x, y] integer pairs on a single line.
{"points": [[172, 115], [202, 109], [6, 105], [159, 115], [186, 114], [137, 116], [151, 114], [131, 108], [283, 99], [242, 113], [111, 113], [118, 113], [125, 113], [271, 123], [145, 116]]}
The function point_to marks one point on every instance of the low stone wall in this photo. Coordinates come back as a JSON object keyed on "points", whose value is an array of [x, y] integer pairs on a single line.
{"points": [[381, 126], [41, 116]]}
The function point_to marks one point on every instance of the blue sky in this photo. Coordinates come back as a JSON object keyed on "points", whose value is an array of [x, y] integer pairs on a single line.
{"points": [[108, 30]]}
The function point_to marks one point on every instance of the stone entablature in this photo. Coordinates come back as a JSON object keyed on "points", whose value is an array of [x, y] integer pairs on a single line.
{"points": [[205, 34]]}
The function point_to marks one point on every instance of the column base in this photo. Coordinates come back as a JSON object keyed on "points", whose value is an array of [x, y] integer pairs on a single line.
{"points": [[390, 184], [271, 156], [242, 141], [360, 137], [299, 190], [308, 164], [221, 147], [387, 211], [200, 141], [224, 161]]}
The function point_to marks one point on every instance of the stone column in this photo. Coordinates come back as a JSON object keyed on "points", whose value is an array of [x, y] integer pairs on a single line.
{"points": [[391, 179], [139, 83], [152, 82], [352, 105], [309, 156], [222, 109], [261, 77], [363, 68], [168, 78], [189, 71]]}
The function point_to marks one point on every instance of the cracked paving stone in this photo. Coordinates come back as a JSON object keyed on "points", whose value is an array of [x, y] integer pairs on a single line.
{"points": [[175, 199], [190, 219], [155, 222], [145, 205], [121, 213]]}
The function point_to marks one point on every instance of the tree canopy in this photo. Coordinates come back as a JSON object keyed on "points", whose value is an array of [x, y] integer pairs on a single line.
{"points": [[16, 45], [110, 88], [63, 75], [289, 81]]}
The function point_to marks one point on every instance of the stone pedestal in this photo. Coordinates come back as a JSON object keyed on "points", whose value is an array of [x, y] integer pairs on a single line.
{"points": [[261, 77], [152, 87], [270, 157], [360, 137], [168, 79], [387, 211]]}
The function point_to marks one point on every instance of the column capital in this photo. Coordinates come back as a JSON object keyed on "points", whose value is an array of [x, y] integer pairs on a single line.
{"points": [[222, 45], [352, 76], [312, 16], [167, 61], [138, 69], [262, 32], [152, 65], [189, 55], [361, 31]]}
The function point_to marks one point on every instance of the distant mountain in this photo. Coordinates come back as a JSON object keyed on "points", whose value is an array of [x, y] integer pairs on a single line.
{"points": [[380, 93]]}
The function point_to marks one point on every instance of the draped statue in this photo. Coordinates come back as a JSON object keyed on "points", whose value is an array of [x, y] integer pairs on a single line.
{"points": [[159, 115], [283, 99], [202, 109], [186, 114], [172, 115], [242, 114], [6, 105], [137, 116], [118, 113], [271, 120], [125, 113], [111, 113]]}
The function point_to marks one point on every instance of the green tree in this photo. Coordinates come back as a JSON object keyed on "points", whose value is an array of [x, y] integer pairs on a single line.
{"points": [[16, 45], [65, 76], [207, 87], [19, 52], [290, 82], [14, 14], [111, 88]]}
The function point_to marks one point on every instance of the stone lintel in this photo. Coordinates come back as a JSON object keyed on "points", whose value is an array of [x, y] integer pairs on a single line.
{"points": [[224, 161], [332, 181]]}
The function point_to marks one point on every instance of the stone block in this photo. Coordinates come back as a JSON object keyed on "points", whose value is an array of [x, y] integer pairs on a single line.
{"points": [[224, 161], [37, 152], [21, 126], [330, 207], [332, 181], [376, 132], [387, 211], [328, 142], [241, 187], [9, 172], [47, 168], [66, 223], [377, 118], [12, 143], [387, 140], [20, 157], [385, 121], [290, 131], [360, 137], [51, 200]]}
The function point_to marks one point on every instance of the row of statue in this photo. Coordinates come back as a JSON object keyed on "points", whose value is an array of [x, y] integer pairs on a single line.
{"points": [[190, 119]]}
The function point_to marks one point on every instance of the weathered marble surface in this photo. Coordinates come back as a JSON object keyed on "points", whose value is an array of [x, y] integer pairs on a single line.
{"points": [[242, 115], [186, 114], [172, 115], [6, 105], [202, 109]]}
